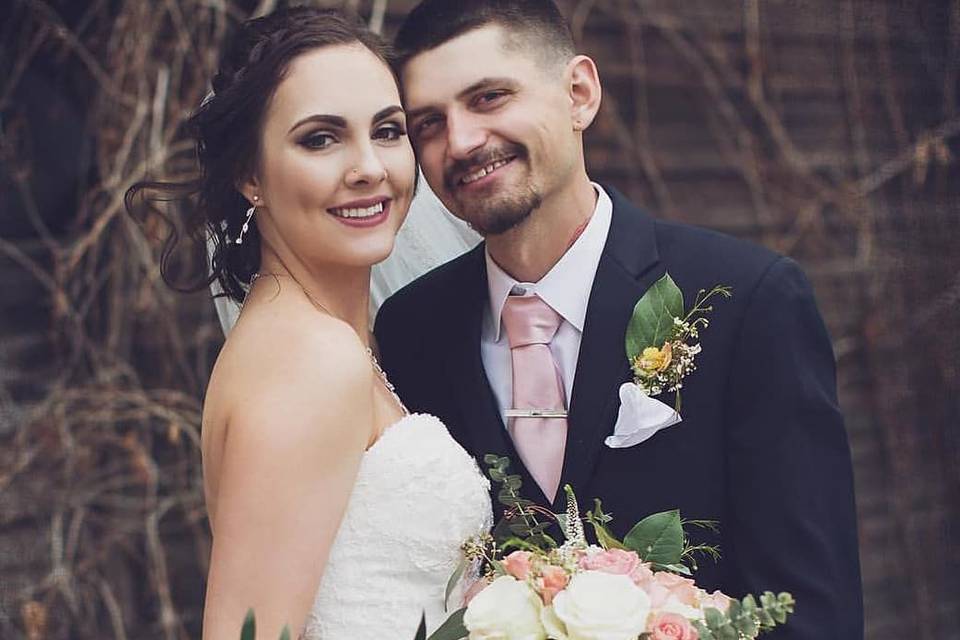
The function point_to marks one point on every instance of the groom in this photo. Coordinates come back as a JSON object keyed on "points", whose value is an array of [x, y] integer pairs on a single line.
{"points": [[535, 318]]}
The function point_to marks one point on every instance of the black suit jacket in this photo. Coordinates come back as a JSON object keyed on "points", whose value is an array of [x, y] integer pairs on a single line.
{"points": [[761, 448]]}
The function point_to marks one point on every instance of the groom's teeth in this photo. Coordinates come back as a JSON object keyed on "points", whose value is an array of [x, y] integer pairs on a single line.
{"points": [[359, 213], [480, 173]]}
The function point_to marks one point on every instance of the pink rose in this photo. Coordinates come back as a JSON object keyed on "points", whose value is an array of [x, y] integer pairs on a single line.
{"points": [[517, 564], [670, 626], [617, 562], [553, 581], [682, 589], [715, 600]]}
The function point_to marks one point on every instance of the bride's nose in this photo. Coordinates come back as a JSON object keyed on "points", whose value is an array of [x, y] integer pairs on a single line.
{"points": [[367, 168]]}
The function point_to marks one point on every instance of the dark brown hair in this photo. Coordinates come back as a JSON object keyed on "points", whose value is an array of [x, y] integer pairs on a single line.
{"points": [[535, 25], [227, 128]]}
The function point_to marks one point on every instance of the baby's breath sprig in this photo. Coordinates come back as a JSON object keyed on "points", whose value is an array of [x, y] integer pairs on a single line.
{"points": [[662, 338]]}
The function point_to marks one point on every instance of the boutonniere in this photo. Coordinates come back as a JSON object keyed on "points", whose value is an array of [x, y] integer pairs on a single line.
{"points": [[662, 346]]}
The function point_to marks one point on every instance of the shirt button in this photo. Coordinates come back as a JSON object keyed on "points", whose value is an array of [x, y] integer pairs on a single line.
{"points": [[517, 290]]}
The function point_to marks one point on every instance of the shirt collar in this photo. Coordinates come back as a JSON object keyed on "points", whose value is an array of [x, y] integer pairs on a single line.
{"points": [[566, 287]]}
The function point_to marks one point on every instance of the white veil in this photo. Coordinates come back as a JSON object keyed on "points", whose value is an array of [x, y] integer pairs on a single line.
{"points": [[429, 237]]}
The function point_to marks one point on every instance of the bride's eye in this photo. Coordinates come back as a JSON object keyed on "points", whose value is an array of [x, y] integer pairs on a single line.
{"points": [[389, 132], [318, 140]]}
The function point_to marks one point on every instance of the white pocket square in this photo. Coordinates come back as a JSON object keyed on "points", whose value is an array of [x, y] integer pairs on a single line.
{"points": [[639, 418]]}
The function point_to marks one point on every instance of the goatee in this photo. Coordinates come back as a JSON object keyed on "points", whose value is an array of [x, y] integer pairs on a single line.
{"points": [[495, 216]]}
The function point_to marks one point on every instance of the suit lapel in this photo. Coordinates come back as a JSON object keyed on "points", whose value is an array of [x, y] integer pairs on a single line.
{"points": [[628, 266], [480, 427]]}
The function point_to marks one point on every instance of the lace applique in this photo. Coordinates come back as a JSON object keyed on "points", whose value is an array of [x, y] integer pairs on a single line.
{"points": [[417, 498]]}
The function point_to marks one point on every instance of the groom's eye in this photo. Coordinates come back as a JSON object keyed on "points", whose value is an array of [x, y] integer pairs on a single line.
{"points": [[490, 98], [424, 126]]}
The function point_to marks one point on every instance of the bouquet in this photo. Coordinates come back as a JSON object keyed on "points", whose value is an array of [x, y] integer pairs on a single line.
{"points": [[638, 588]]}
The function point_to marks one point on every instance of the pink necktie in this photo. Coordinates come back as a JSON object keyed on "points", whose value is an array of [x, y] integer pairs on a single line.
{"points": [[537, 384]]}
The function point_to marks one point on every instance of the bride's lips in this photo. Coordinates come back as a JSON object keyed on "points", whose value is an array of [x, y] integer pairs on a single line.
{"points": [[366, 212]]}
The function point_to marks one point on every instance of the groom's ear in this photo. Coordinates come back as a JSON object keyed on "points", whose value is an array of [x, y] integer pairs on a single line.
{"points": [[583, 85]]}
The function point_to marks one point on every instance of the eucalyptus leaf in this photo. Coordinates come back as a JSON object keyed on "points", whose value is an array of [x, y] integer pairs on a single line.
{"points": [[453, 628], [703, 632], [652, 320], [249, 629], [714, 618], [422, 629], [454, 579], [658, 538], [728, 633]]}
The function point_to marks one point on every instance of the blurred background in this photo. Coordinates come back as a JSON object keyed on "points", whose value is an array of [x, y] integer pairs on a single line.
{"points": [[827, 130]]}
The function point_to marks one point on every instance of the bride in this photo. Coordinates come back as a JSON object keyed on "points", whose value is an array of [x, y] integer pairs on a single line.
{"points": [[333, 510]]}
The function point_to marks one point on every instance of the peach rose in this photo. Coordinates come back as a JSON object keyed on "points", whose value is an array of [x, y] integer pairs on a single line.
{"points": [[618, 562], [517, 564], [716, 600], [670, 626], [682, 589], [553, 581]]}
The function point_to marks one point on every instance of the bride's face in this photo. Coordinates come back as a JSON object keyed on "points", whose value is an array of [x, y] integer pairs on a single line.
{"points": [[336, 172]]}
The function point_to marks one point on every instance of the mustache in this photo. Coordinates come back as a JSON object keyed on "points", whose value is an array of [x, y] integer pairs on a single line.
{"points": [[481, 158]]}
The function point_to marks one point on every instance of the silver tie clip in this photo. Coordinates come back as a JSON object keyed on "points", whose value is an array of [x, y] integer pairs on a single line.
{"points": [[535, 413]]}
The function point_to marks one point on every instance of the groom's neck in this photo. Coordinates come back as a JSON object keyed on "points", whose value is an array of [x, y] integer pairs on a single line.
{"points": [[528, 251]]}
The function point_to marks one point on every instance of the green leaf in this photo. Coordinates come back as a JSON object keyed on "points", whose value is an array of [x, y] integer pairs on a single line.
{"points": [[703, 632], [285, 634], [681, 569], [453, 628], [249, 630], [422, 629], [652, 320], [658, 538], [748, 626], [452, 582], [728, 633], [714, 618]]}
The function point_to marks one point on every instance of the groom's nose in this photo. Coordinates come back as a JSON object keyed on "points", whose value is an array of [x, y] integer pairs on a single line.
{"points": [[465, 134]]}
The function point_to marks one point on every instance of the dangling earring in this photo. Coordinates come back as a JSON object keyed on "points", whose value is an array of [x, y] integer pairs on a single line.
{"points": [[246, 223]]}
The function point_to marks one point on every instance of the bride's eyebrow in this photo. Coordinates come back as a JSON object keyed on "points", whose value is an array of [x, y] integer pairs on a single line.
{"points": [[337, 122], [387, 112]]}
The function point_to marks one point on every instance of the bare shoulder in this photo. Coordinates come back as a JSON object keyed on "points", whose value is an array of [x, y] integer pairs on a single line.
{"points": [[292, 374]]}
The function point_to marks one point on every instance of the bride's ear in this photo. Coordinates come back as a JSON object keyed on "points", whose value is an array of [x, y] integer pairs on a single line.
{"points": [[583, 85], [249, 187]]}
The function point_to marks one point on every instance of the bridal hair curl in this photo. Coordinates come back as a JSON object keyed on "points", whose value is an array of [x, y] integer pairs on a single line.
{"points": [[227, 128]]}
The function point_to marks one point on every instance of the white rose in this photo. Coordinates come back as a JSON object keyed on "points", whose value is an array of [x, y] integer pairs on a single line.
{"points": [[673, 605], [506, 610], [598, 606]]}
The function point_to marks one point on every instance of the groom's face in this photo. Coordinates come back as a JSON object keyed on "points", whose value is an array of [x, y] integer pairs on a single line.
{"points": [[491, 125]]}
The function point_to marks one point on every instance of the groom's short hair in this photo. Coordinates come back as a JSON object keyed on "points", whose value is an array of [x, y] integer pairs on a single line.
{"points": [[534, 25]]}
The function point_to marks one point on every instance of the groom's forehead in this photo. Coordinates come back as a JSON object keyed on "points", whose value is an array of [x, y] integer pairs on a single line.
{"points": [[442, 73]]}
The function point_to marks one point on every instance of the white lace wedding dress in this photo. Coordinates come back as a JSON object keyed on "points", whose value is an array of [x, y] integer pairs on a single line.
{"points": [[417, 498]]}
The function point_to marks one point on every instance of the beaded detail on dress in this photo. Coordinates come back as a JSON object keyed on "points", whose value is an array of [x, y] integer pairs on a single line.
{"points": [[417, 498]]}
